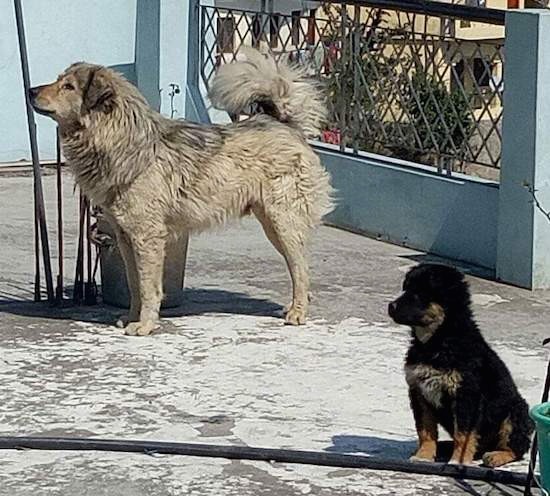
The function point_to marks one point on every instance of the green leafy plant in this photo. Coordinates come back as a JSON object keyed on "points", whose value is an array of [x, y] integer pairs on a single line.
{"points": [[385, 100], [439, 119]]}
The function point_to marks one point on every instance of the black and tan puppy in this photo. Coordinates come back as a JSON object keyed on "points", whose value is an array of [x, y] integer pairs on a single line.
{"points": [[455, 379]]}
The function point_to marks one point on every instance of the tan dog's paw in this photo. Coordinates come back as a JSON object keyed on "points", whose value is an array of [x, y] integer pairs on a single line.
{"points": [[122, 321], [140, 328], [295, 316]]}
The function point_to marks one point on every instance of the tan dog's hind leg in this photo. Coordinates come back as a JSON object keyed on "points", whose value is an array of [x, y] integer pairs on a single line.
{"points": [[149, 256], [132, 277], [288, 240]]}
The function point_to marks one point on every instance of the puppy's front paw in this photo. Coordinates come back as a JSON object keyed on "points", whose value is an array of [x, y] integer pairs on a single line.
{"points": [[455, 461], [140, 328], [421, 459]]}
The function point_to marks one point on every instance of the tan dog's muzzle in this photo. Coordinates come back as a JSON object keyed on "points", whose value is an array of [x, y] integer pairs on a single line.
{"points": [[33, 94]]}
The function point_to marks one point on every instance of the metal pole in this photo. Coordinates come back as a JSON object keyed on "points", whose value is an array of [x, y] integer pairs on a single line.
{"points": [[78, 290], [89, 288], [37, 291], [60, 246], [39, 194]]}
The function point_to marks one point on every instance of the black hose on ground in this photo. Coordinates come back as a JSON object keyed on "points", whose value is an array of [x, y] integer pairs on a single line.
{"points": [[267, 455]]}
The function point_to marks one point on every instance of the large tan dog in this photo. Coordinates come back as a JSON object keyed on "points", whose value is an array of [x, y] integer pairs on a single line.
{"points": [[155, 177]]}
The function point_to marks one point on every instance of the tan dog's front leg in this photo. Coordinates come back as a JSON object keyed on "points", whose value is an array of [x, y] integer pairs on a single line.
{"points": [[132, 278], [149, 256]]}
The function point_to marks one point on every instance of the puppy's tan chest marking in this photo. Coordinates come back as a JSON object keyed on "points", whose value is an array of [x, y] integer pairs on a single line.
{"points": [[433, 383]]}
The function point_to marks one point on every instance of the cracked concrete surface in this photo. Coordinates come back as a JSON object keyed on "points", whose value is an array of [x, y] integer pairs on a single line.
{"points": [[224, 369]]}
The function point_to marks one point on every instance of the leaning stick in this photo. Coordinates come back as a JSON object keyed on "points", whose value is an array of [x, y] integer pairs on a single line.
{"points": [[38, 192], [60, 245]]}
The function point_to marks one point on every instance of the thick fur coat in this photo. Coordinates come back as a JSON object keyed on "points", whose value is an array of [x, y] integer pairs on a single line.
{"points": [[155, 177], [455, 379]]}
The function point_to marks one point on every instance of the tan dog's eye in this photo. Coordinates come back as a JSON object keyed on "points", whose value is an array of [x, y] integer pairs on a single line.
{"points": [[68, 86]]}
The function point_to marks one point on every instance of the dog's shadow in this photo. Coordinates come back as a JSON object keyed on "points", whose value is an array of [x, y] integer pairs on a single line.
{"points": [[392, 449], [196, 301], [384, 448]]}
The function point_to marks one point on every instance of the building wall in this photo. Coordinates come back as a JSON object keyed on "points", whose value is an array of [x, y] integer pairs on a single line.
{"points": [[59, 32], [174, 35], [409, 205]]}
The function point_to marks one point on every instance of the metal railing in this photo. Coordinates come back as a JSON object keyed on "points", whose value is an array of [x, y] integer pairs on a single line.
{"points": [[415, 80]]}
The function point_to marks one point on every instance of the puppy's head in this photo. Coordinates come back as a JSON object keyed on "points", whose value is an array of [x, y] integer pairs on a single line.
{"points": [[430, 293], [80, 90]]}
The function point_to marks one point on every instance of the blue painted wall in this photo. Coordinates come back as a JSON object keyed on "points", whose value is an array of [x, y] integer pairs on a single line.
{"points": [[384, 198], [524, 231], [174, 35], [60, 32]]}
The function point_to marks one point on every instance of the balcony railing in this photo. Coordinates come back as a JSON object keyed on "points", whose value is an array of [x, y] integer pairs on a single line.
{"points": [[415, 80]]}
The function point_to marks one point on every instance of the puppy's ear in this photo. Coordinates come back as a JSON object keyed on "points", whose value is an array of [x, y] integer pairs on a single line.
{"points": [[98, 92]]}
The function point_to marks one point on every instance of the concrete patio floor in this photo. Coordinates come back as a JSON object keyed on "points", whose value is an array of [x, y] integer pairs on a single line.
{"points": [[224, 369]]}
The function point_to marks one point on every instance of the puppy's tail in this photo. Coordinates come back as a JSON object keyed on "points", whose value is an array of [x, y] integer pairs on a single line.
{"points": [[280, 89]]}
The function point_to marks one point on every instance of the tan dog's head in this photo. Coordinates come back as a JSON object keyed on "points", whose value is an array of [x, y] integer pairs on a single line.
{"points": [[80, 90]]}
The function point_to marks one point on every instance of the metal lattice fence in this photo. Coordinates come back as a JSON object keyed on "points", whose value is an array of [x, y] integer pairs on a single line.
{"points": [[416, 86]]}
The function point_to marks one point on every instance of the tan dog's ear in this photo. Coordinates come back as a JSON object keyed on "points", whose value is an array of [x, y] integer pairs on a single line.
{"points": [[98, 93]]}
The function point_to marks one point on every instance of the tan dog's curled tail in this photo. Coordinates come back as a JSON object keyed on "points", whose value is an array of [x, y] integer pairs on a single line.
{"points": [[281, 89]]}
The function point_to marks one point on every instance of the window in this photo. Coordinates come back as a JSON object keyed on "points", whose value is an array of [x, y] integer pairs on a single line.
{"points": [[482, 73], [472, 3], [226, 34], [274, 20], [296, 27], [311, 27], [536, 4], [457, 79]]}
